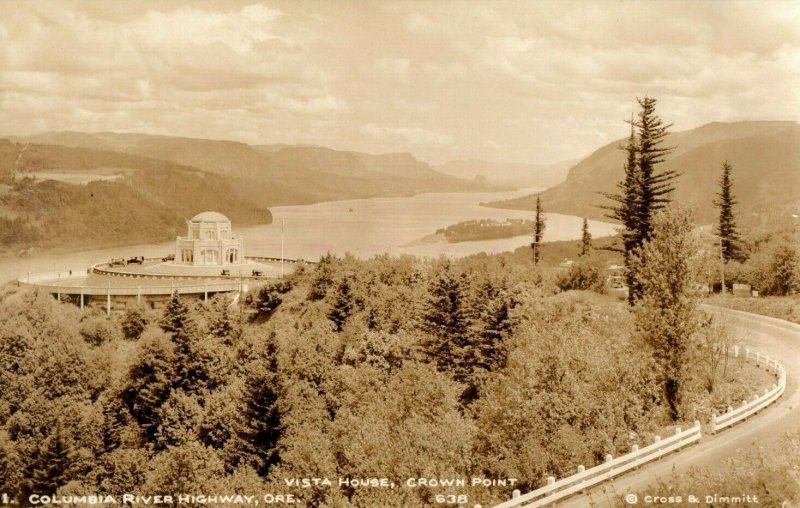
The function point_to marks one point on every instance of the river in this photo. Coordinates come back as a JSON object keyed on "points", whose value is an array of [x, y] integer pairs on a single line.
{"points": [[364, 227]]}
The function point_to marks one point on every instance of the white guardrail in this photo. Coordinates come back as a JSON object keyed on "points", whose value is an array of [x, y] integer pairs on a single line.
{"points": [[585, 478], [556, 490], [758, 403]]}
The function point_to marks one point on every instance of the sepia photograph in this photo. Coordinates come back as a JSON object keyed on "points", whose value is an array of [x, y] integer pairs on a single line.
{"points": [[399, 253]]}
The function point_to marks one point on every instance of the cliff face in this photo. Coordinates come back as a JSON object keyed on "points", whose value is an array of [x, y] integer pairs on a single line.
{"points": [[766, 171]]}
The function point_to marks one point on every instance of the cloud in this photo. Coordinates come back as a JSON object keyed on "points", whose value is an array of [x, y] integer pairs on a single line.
{"points": [[544, 80], [410, 135], [395, 68]]}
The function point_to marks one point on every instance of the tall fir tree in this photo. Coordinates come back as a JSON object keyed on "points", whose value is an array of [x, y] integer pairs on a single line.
{"points": [[447, 321], [656, 187], [342, 305], [726, 227], [260, 426], [643, 190], [626, 210], [54, 459], [192, 363], [538, 230], [586, 238]]}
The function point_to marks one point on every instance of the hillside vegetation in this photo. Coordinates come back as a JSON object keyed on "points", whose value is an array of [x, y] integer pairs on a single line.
{"points": [[390, 368], [145, 206], [766, 173], [281, 174]]}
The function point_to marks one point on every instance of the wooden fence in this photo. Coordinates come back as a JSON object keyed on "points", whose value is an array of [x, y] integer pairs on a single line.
{"points": [[759, 402], [585, 478]]}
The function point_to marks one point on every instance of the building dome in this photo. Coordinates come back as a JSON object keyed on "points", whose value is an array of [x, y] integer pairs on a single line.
{"points": [[209, 216], [209, 241]]}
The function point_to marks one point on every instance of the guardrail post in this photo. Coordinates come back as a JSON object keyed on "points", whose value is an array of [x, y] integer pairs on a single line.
{"points": [[736, 351], [108, 302], [139, 296], [205, 294], [581, 469], [81, 298], [677, 430], [713, 423], [746, 353], [516, 493]]}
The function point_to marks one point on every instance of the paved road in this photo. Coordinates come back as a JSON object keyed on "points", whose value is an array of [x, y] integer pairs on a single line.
{"points": [[778, 339]]}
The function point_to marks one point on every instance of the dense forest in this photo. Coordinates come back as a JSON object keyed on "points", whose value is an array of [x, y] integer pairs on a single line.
{"points": [[390, 368], [144, 206]]}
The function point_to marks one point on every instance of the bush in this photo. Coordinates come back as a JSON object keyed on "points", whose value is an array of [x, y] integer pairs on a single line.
{"points": [[133, 324], [775, 270], [97, 329], [270, 297], [585, 274]]}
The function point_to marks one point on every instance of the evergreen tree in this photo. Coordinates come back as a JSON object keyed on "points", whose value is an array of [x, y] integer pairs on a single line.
{"points": [[538, 230], [322, 278], [176, 316], [260, 427], [133, 324], [586, 238], [655, 187], [51, 468], [446, 320], [726, 228], [626, 211], [192, 358], [667, 314], [150, 379], [342, 305], [643, 191]]}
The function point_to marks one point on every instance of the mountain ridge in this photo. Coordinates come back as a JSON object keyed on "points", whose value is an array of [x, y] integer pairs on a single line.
{"points": [[765, 156]]}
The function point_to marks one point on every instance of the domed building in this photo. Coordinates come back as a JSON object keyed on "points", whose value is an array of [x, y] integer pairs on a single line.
{"points": [[209, 241]]}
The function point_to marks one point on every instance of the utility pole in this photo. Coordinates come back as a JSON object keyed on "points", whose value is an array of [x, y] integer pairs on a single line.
{"points": [[283, 228], [721, 267]]}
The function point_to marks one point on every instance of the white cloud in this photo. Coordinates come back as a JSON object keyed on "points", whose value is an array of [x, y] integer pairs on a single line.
{"points": [[545, 80], [396, 68], [410, 135]]}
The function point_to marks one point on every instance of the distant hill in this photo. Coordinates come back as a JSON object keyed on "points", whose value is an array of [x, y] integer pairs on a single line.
{"points": [[766, 172], [150, 202], [282, 174], [167, 179], [509, 173]]}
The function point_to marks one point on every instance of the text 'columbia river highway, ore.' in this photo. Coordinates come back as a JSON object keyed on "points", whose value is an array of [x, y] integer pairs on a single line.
{"points": [[48, 499]]}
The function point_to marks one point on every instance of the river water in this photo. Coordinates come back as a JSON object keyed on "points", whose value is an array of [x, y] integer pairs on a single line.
{"points": [[364, 227]]}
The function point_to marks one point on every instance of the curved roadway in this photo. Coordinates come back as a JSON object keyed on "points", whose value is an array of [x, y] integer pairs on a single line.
{"points": [[776, 338]]}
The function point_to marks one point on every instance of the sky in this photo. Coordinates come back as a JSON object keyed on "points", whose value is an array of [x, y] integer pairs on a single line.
{"points": [[521, 81]]}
